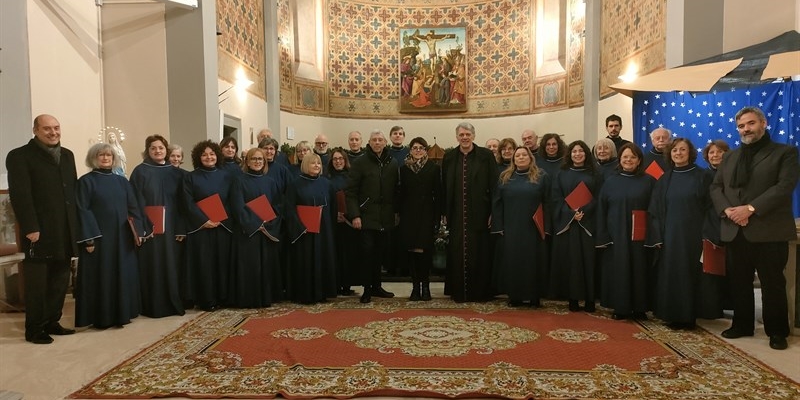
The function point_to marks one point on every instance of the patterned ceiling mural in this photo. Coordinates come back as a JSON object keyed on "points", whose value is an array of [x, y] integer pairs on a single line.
{"points": [[241, 43], [633, 31]]}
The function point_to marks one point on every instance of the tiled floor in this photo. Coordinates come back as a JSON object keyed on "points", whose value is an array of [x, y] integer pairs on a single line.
{"points": [[48, 372]]}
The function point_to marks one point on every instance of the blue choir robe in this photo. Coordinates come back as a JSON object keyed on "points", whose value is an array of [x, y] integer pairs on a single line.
{"points": [[550, 165], [608, 168], [160, 185], [678, 207], [653, 156], [625, 280], [399, 153], [346, 238], [107, 288], [208, 251], [572, 263], [255, 279], [280, 174], [522, 271], [232, 167], [312, 258]]}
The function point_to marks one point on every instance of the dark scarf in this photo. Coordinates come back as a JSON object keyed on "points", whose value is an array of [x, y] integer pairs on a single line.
{"points": [[744, 168], [54, 151]]}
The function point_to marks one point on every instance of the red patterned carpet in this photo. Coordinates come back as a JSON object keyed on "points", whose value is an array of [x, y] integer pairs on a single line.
{"points": [[393, 347]]}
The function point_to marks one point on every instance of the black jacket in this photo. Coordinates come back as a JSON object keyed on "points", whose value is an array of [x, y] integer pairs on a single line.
{"points": [[42, 194], [372, 190]]}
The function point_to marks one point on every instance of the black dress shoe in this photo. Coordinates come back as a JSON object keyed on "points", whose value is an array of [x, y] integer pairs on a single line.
{"points": [[57, 329], [574, 306], [381, 292], [640, 316], [619, 316], [778, 342], [366, 297], [733, 333], [515, 303], [589, 307], [44, 338]]}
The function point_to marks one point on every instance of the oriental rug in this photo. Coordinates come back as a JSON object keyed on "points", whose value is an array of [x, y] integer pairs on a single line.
{"points": [[439, 349]]}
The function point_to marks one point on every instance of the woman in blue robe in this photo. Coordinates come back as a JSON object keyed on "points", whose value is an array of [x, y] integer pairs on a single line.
{"points": [[312, 259], [550, 154], [522, 271], [572, 265], [625, 267], [255, 273], [276, 170], [346, 237], [605, 153], [176, 158], [301, 149], [678, 208], [158, 184], [107, 289], [231, 163], [716, 291], [208, 244]]}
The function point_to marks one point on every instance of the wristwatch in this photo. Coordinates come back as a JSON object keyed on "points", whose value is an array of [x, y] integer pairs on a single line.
{"points": [[751, 208]]}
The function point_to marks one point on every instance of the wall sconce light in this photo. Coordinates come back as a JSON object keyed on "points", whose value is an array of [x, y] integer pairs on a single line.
{"points": [[630, 74]]}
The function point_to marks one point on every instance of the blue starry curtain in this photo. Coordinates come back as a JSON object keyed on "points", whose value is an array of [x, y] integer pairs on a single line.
{"points": [[703, 117]]}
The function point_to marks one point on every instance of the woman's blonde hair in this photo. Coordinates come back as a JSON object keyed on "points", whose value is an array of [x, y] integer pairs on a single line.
{"points": [[533, 170], [305, 166], [252, 152]]}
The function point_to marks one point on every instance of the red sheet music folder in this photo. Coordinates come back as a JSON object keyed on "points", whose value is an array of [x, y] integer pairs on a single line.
{"points": [[213, 209], [538, 219], [579, 197], [262, 207], [158, 217], [341, 202], [638, 225], [311, 217], [654, 170], [713, 259]]}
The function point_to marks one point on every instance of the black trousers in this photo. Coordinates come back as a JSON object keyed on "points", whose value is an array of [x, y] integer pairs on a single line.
{"points": [[768, 259], [46, 285], [374, 244]]}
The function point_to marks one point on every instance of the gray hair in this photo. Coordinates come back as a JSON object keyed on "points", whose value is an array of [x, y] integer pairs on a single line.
{"points": [[755, 110], [101, 148], [376, 132], [467, 126], [268, 141], [669, 132], [607, 143]]}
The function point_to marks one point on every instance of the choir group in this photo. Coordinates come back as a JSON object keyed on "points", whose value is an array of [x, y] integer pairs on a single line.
{"points": [[545, 220]]}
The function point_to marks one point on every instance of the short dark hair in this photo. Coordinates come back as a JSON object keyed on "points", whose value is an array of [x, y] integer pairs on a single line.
{"points": [[755, 110], [397, 128], [418, 140], [149, 140], [198, 150], [692, 150], [719, 143], [637, 152], [614, 117]]}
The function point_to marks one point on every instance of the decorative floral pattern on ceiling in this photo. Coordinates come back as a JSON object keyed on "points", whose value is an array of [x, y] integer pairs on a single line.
{"points": [[241, 42]]}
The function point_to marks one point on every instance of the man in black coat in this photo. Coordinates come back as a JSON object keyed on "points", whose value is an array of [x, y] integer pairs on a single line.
{"points": [[371, 194], [41, 183], [469, 174], [752, 194]]}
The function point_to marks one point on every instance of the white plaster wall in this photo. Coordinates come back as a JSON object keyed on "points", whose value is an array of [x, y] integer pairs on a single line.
{"points": [[65, 69], [250, 109], [746, 23]]}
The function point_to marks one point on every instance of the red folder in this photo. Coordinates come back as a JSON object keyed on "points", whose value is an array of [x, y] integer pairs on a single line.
{"points": [[136, 235], [579, 197], [713, 259], [654, 170], [158, 217], [538, 219], [638, 225], [262, 207], [341, 202], [311, 217], [213, 209]]}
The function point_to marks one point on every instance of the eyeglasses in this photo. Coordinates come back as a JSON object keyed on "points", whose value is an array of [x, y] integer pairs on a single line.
{"points": [[256, 159], [321, 143], [417, 148], [338, 158]]}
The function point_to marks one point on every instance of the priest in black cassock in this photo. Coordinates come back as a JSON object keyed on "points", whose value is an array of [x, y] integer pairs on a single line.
{"points": [[107, 289], [255, 268], [469, 175], [678, 208], [312, 266], [625, 267], [157, 183], [572, 266], [208, 244]]}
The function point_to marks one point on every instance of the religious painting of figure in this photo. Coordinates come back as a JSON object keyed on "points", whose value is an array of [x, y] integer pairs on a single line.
{"points": [[433, 69]]}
